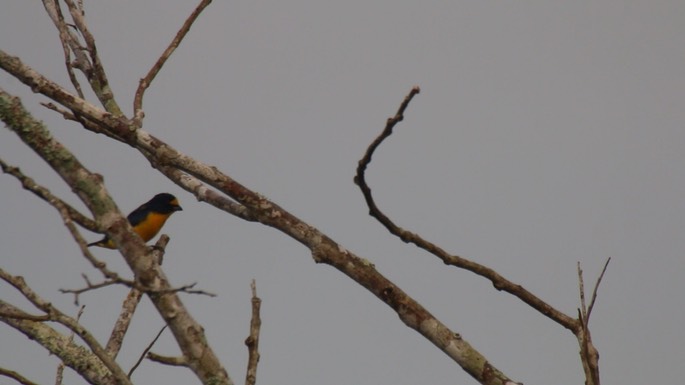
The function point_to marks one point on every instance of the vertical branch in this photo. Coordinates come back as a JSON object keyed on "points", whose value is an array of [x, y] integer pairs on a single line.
{"points": [[70, 43], [252, 340], [589, 355], [581, 287]]}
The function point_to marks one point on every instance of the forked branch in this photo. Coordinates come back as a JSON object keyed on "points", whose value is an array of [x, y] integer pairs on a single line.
{"points": [[497, 280]]}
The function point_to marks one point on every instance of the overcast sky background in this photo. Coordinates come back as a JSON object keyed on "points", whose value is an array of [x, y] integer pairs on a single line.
{"points": [[546, 133]]}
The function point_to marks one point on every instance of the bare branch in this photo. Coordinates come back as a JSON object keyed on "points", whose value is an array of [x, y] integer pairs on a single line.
{"points": [[97, 77], [57, 316], [45, 194], [75, 356], [152, 73], [16, 377], [252, 340], [93, 286], [24, 316], [581, 288], [188, 289], [128, 308], [60, 368], [204, 193], [145, 352], [68, 214], [70, 44], [594, 291], [366, 160], [171, 361], [498, 281]]}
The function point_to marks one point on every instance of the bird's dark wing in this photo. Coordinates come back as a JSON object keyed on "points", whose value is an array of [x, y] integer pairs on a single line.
{"points": [[138, 215]]}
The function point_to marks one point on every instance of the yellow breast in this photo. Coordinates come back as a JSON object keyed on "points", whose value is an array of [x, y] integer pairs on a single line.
{"points": [[148, 228]]}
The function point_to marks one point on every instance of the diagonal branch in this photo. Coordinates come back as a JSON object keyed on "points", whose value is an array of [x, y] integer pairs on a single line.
{"points": [[146, 351], [152, 73], [68, 214], [498, 281], [45, 194], [594, 291], [16, 377]]}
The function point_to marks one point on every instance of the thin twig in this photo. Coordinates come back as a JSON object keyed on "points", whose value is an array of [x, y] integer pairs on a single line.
{"points": [[188, 289], [145, 352], [16, 377], [29, 184], [581, 288], [68, 214], [252, 340], [93, 286], [71, 44], [594, 291], [498, 281], [152, 73]]}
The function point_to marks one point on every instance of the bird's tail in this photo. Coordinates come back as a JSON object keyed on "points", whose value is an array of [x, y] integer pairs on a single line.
{"points": [[105, 242]]}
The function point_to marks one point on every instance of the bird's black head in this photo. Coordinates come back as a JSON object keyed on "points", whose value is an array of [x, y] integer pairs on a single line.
{"points": [[164, 203]]}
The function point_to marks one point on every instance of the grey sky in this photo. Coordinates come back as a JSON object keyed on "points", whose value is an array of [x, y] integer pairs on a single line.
{"points": [[546, 133]]}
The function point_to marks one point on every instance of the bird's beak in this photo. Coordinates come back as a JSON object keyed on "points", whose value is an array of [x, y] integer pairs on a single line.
{"points": [[176, 206]]}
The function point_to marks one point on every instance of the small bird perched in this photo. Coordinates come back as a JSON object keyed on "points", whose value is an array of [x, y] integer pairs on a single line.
{"points": [[147, 219]]}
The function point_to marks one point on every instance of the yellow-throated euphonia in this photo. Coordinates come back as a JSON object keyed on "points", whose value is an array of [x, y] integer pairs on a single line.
{"points": [[147, 219]]}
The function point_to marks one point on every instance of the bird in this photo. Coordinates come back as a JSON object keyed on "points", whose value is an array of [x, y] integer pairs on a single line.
{"points": [[147, 219]]}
